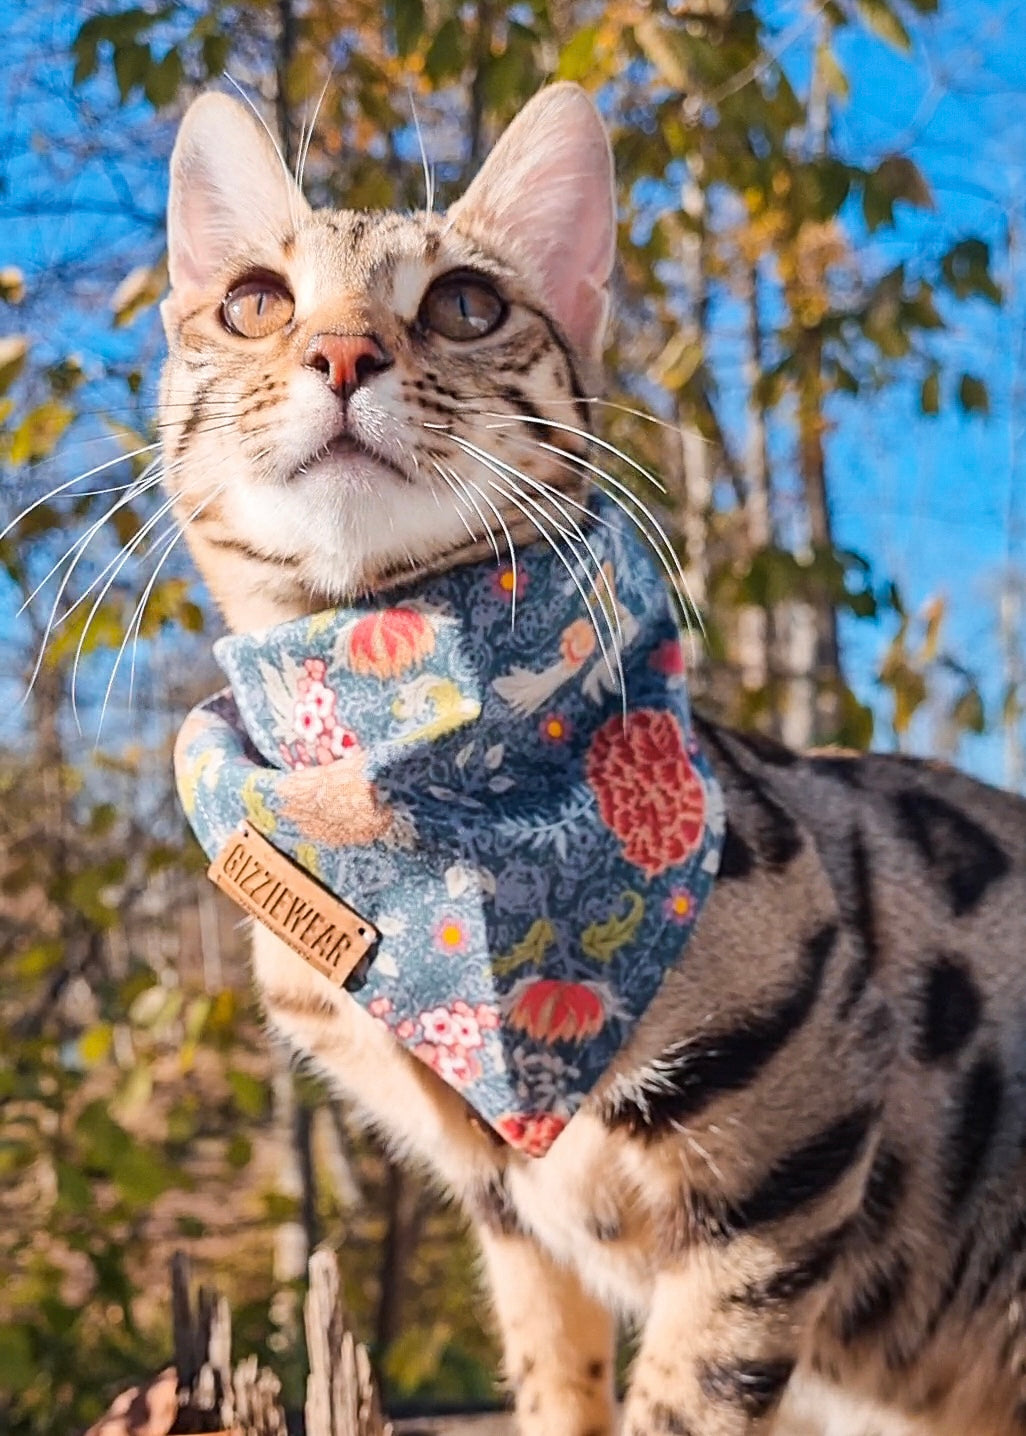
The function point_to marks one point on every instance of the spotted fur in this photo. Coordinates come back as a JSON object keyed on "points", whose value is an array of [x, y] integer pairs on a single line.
{"points": [[804, 1177]]}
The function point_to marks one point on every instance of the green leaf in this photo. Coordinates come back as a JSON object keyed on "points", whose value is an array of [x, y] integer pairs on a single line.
{"points": [[973, 395], [73, 1189], [249, 1092], [900, 178], [95, 1043], [18, 1367], [37, 435], [408, 24], [164, 79], [929, 394], [215, 51], [238, 1151], [883, 21], [966, 270], [602, 940], [577, 58], [131, 66], [444, 59]]}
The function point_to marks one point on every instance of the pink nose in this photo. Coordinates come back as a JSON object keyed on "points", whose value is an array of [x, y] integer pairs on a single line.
{"points": [[345, 360]]}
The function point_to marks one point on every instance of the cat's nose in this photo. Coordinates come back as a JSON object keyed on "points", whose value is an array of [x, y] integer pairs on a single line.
{"points": [[345, 360]]}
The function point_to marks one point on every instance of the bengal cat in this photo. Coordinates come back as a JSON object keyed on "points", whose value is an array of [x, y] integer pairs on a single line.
{"points": [[804, 1177]]}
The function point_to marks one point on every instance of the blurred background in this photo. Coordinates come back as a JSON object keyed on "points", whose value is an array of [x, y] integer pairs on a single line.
{"points": [[819, 347]]}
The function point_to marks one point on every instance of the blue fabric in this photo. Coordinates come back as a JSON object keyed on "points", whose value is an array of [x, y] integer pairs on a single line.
{"points": [[458, 764]]}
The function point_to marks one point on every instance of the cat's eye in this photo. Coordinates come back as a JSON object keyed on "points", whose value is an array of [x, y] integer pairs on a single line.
{"points": [[257, 306], [462, 306]]}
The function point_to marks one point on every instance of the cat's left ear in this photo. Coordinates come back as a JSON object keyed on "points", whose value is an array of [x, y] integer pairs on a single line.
{"points": [[546, 193], [229, 191]]}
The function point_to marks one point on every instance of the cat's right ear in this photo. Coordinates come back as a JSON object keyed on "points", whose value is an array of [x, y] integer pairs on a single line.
{"points": [[229, 188]]}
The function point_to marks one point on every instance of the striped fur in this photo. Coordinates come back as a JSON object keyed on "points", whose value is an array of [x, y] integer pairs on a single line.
{"points": [[804, 1177]]}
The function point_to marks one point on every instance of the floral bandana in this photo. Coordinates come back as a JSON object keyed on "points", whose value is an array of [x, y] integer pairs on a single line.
{"points": [[458, 764]]}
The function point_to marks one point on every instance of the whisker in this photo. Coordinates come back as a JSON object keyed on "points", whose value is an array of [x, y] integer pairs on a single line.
{"points": [[62, 488], [519, 499], [462, 499], [138, 486], [429, 176], [661, 545], [581, 434], [304, 147], [289, 181], [135, 622], [470, 489], [558, 500], [649, 526]]}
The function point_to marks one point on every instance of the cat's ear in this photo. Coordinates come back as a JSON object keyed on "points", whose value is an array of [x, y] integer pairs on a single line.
{"points": [[546, 193], [229, 188]]}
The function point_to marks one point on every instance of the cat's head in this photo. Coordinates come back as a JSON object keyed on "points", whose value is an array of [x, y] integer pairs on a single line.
{"points": [[350, 394]]}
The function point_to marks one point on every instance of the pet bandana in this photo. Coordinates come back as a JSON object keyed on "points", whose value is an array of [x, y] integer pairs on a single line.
{"points": [[494, 770]]}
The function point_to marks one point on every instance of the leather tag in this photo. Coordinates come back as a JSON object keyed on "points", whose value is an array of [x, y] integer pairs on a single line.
{"points": [[331, 936]]}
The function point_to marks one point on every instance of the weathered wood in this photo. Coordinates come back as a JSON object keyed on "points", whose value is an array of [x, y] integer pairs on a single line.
{"points": [[341, 1395], [214, 1396]]}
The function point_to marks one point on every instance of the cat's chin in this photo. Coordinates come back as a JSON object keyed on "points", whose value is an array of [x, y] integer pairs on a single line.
{"points": [[347, 460]]}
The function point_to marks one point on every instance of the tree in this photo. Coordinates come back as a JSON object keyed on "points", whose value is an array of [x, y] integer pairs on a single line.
{"points": [[757, 308]]}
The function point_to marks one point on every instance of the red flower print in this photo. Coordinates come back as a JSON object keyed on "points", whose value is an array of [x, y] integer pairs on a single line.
{"points": [[532, 1133], [647, 789], [668, 658], [554, 728], [388, 643], [450, 935], [551, 1011]]}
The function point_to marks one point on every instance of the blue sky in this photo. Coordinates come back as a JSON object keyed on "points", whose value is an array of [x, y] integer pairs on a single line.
{"points": [[937, 504]]}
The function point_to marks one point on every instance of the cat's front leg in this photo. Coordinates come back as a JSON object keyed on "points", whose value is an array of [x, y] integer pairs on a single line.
{"points": [[558, 1342], [725, 1332]]}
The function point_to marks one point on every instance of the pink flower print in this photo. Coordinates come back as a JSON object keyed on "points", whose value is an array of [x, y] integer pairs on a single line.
{"points": [[342, 740], [487, 1017], [320, 698], [465, 1030], [554, 728], [679, 906], [437, 1025], [451, 1063], [405, 1029], [380, 1007], [316, 668], [456, 1065], [307, 722], [450, 935]]}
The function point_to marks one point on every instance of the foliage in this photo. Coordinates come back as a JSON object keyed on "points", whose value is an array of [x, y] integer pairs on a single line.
{"points": [[142, 1104]]}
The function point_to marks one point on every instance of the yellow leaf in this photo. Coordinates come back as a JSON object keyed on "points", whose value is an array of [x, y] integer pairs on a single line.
{"points": [[602, 940], [257, 810], [530, 949]]}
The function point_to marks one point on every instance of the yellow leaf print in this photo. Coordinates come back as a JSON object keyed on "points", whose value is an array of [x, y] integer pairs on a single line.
{"points": [[257, 811], [602, 940], [306, 856], [530, 949]]}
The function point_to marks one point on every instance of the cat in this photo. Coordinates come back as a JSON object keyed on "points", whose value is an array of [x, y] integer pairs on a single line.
{"points": [[804, 1176]]}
